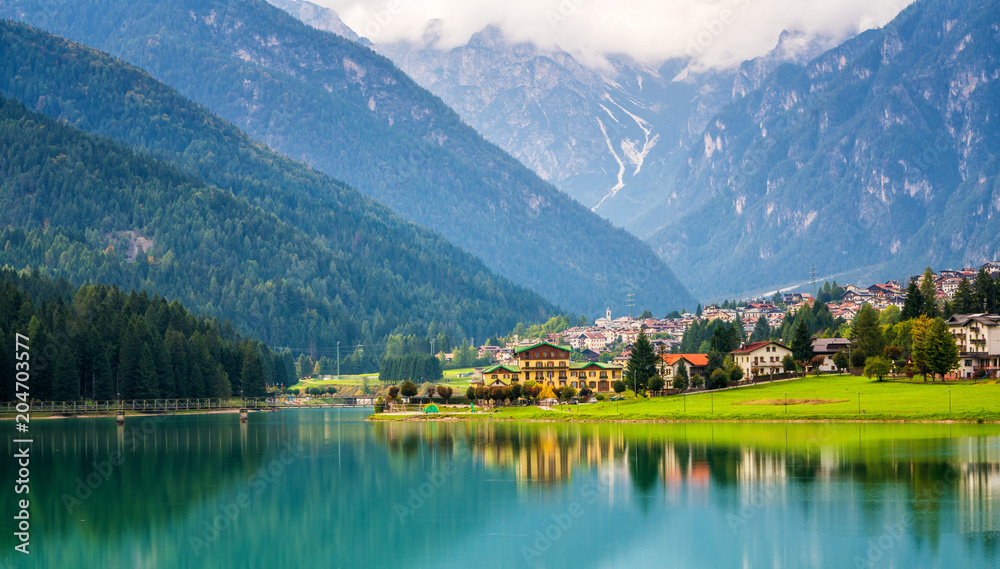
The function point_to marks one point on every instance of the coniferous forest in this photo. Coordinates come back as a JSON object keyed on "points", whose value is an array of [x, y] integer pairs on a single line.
{"points": [[93, 211], [100, 342]]}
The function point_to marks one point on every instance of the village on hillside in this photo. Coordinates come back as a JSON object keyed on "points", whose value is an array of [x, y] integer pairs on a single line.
{"points": [[610, 338]]}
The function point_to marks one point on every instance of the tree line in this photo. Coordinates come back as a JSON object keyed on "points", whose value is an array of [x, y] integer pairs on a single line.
{"points": [[98, 342]]}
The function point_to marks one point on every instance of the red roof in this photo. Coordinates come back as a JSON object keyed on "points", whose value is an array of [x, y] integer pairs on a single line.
{"points": [[697, 360], [753, 346]]}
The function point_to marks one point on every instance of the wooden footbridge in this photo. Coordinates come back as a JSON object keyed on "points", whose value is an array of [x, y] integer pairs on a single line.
{"points": [[173, 405]]}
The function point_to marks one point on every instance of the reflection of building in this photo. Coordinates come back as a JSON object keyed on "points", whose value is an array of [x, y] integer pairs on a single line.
{"points": [[549, 364], [760, 358], [978, 339]]}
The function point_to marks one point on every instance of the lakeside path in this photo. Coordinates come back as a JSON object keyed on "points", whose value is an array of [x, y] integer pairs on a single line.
{"points": [[810, 399]]}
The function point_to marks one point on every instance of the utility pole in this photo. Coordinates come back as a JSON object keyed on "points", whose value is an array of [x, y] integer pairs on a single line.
{"points": [[630, 297], [338, 360], [813, 273]]}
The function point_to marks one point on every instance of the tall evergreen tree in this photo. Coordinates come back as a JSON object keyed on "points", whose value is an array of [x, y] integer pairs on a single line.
{"points": [[964, 299], [66, 376], [252, 378], [146, 381], [43, 355], [913, 306], [761, 330], [928, 289], [942, 351], [986, 293], [104, 381], [866, 333], [921, 347], [682, 381], [801, 346], [641, 362]]}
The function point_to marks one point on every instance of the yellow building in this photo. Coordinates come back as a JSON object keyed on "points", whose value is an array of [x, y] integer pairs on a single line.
{"points": [[549, 364]]}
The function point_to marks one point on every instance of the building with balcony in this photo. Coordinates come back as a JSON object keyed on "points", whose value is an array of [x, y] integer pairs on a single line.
{"points": [[760, 358], [978, 339], [549, 364]]}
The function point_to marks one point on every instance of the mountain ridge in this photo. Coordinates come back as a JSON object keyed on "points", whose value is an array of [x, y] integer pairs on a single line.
{"points": [[349, 112]]}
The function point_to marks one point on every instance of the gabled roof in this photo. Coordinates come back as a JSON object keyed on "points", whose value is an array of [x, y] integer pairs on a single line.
{"points": [[829, 345], [520, 349], [754, 346], [505, 367], [697, 360], [982, 318], [599, 365]]}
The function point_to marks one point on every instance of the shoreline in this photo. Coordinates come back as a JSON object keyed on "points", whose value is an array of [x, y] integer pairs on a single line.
{"points": [[47, 415], [412, 418]]}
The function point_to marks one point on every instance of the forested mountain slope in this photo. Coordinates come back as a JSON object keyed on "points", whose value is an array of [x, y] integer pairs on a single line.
{"points": [[344, 109], [86, 208]]}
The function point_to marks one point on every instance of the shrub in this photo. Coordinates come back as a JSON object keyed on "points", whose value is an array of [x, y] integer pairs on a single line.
{"points": [[393, 393], [585, 393], [619, 386], [697, 381], [566, 393], [445, 392], [656, 383], [601, 397], [408, 389]]}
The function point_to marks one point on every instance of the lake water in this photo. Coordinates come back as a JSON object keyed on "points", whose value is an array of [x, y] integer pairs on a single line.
{"points": [[323, 488]]}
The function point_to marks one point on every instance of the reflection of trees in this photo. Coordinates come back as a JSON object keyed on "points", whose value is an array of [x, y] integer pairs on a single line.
{"points": [[794, 457], [168, 467]]}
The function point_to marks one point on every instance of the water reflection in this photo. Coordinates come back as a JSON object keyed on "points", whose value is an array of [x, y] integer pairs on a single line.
{"points": [[357, 494]]}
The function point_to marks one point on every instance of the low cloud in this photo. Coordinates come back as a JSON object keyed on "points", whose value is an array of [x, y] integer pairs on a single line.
{"points": [[716, 33]]}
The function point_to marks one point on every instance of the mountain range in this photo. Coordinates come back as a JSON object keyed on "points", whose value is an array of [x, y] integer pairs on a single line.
{"points": [[349, 112], [180, 202], [868, 159]]}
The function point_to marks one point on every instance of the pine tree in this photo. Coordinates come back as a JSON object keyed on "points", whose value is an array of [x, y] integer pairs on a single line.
{"points": [[146, 380], [104, 383], [866, 333], [928, 289], [965, 299], [681, 380], [252, 377], [761, 330], [43, 355], [65, 376], [641, 362], [942, 351], [985, 293], [913, 306], [128, 361], [802, 344], [919, 332]]}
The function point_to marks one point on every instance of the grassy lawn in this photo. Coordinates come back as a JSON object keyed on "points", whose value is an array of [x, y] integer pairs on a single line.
{"points": [[811, 398]]}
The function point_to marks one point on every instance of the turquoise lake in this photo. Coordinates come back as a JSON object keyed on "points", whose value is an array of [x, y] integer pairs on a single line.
{"points": [[325, 489]]}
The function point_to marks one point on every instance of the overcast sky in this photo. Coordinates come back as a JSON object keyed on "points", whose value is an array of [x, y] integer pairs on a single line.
{"points": [[717, 33]]}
